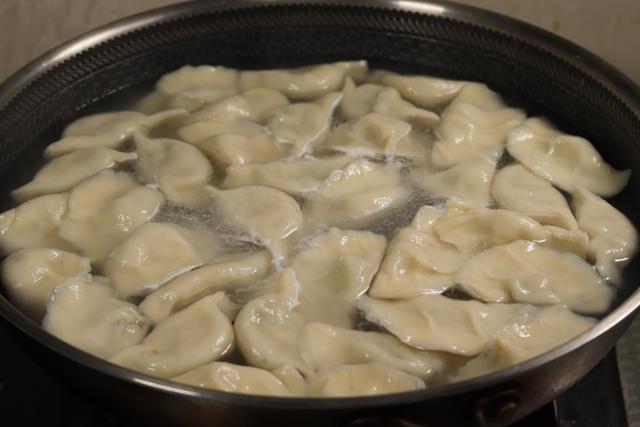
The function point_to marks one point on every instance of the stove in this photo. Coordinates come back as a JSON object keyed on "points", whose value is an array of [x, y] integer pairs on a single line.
{"points": [[29, 396]]}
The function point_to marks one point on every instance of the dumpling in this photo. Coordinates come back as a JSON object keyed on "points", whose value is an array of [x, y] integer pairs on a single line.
{"points": [[179, 169], [104, 209], [417, 262], [256, 105], [323, 346], [199, 77], [295, 177], [304, 125], [370, 98], [527, 338], [226, 150], [525, 272], [374, 134], [30, 275], [473, 229], [613, 238], [235, 379], [517, 189], [366, 379], [467, 129], [199, 334], [264, 214], [34, 224], [435, 322], [563, 240], [333, 270], [356, 195], [469, 180], [84, 312], [65, 172], [237, 272], [151, 256], [198, 132], [267, 328], [107, 130], [190, 100], [425, 92], [303, 83], [567, 161]]}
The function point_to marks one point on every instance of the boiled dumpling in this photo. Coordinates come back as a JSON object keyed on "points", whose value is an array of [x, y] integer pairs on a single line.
{"points": [[374, 134], [525, 272], [265, 214], [198, 132], [323, 346], [362, 380], [358, 100], [237, 272], [107, 130], [190, 100], [84, 312], [563, 240], [303, 83], [435, 322], [235, 379], [200, 77], [226, 150], [154, 254], [295, 177], [528, 337], [34, 224], [256, 105], [417, 262], [469, 180], [473, 229], [30, 275], [192, 337], [63, 173], [179, 169], [304, 125], [104, 209], [517, 189], [333, 270], [613, 238], [425, 92], [267, 328], [567, 161], [356, 195]]}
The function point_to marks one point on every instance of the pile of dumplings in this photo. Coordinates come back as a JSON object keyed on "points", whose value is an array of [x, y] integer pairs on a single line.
{"points": [[325, 231]]}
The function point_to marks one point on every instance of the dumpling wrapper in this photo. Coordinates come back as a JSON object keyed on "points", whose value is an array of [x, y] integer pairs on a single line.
{"points": [[108, 130], [84, 312], [567, 161], [304, 83], [304, 125], [528, 337], [266, 215], [104, 209], [256, 105], [323, 346], [34, 224], [435, 322], [423, 91], [469, 180], [199, 334], [475, 120], [516, 188], [233, 378], [198, 132], [65, 172], [333, 269], [238, 272], [29, 277], [267, 328], [528, 273], [417, 262], [151, 256], [179, 169], [356, 195], [295, 177], [613, 238], [365, 379]]}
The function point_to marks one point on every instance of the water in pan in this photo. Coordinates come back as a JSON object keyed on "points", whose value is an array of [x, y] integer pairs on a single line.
{"points": [[388, 224]]}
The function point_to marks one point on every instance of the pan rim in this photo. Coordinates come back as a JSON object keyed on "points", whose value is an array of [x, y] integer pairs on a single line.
{"points": [[606, 74]]}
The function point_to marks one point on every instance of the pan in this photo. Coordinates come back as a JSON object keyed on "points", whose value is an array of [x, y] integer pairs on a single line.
{"points": [[114, 65]]}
